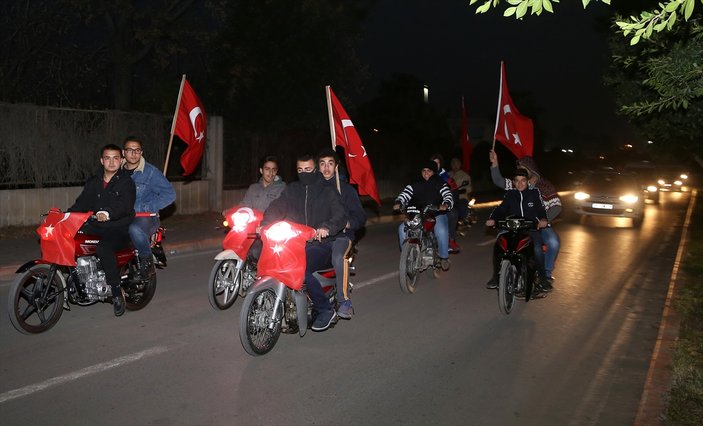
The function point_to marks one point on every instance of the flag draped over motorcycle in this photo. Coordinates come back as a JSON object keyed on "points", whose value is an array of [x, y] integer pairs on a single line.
{"points": [[283, 256], [56, 236], [189, 125], [513, 129], [345, 135]]}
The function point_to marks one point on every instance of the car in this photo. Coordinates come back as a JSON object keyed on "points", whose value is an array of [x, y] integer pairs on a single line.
{"points": [[610, 193], [647, 175], [673, 178]]}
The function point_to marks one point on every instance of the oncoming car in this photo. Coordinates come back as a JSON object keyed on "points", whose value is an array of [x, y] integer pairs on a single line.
{"points": [[672, 178], [647, 175], [608, 193]]}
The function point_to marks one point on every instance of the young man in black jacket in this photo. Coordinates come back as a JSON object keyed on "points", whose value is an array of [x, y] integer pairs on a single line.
{"points": [[309, 201], [525, 202], [328, 161], [110, 195]]}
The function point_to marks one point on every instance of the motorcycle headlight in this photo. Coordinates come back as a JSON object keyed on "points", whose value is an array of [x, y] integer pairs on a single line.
{"points": [[280, 232], [472, 202], [582, 196], [414, 222], [629, 198], [241, 218]]}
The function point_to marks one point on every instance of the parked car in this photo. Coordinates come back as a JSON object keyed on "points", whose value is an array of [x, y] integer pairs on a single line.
{"points": [[609, 193]]}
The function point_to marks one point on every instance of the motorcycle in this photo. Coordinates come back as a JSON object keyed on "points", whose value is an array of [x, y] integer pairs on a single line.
{"points": [[277, 302], [69, 273], [235, 267], [517, 273], [419, 251]]}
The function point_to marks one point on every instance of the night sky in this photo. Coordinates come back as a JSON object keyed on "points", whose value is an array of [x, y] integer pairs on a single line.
{"points": [[558, 59]]}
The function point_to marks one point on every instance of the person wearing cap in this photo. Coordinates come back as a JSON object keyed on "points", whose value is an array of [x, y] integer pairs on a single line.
{"points": [[429, 189], [552, 203], [520, 201]]}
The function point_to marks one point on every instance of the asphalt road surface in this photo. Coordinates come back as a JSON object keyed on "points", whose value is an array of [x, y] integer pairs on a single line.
{"points": [[445, 355]]}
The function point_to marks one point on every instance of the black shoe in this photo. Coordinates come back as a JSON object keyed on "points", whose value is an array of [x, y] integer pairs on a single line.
{"points": [[118, 303], [492, 284], [546, 285], [146, 268]]}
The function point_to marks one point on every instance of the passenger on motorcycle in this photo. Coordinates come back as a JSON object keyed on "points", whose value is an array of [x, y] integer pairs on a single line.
{"points": [[268, 188], [453, 214], [521, 201], [110, 194], [429, 189], [328, 161], [311, 202], [154, 193]]}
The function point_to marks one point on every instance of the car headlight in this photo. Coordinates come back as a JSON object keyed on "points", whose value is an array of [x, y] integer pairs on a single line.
{"points": [[629, 198], [582, 196], [652, 188], [684, 176], [678, 183], [661, 182]]}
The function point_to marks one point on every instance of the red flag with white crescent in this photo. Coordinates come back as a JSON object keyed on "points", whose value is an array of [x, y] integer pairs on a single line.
{"points": [[191, 127], [345, 135], [56, 236], [513, 129]]}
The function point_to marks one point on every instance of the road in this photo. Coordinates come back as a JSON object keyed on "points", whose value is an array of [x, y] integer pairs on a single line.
{"points": [[444, 355]]}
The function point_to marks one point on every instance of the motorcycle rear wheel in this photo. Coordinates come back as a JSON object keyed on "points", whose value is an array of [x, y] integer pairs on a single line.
{"points": [[408, 268], [34, 304], [256, 331], [224, 284], [138, 294], [506, 286]]}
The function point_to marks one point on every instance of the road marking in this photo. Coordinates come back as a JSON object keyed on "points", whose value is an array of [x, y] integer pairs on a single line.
{"points": [[375, 280], [485, 243], [93, 369]]}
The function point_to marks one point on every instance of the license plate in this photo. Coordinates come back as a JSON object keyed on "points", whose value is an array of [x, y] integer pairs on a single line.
{"points": [[602, 206]]}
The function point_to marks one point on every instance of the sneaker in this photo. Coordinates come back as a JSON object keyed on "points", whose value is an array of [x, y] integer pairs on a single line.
{"points": [[444, 264], [546, 285], [454, 247], [324, 320], [345, 310], [146, 268], [492, 284], [118, 304]]}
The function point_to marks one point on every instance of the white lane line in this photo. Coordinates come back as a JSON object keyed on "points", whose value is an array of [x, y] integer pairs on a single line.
{"points": [[375, 280], [485, 243], [94, 369]]}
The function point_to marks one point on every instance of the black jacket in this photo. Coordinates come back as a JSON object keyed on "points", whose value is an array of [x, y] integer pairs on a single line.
{"points": [[425, 192], [317, 205], [117, 199], [526, 204], [352, 205]]}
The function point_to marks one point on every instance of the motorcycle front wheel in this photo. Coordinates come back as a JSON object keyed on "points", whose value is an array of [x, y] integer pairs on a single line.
{"points": [[35, 304], [409, 266], [138, 294], [258, 332], [506, 286], [224, 284]]}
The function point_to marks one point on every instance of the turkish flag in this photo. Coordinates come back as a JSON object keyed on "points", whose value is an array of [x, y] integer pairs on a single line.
{"points": [[513, 129], [56, 236], [345, 135], [465, 142], [190, 127], [283, 253]]}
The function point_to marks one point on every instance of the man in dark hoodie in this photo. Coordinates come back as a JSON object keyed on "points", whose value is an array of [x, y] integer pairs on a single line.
{"points": [[328, 161], [110, 195], [310, 201], [552, 203]]}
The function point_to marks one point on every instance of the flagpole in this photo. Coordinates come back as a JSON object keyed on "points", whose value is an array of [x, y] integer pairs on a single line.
{"points": [[500, 97], [333, 137], [173, 124]]}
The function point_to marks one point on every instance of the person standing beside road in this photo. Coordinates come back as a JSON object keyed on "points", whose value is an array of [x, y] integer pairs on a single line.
{"points": [[268, 188], [327, 161], [110, 195], [154, 193], [311, 202], [430, 189], [552, 204]]}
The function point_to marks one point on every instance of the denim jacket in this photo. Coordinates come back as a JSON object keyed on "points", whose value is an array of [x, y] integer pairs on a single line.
{"points": [[154, 191]]}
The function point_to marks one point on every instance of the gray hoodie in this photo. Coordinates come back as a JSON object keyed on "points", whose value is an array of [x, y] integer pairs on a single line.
{"points": [[259, 197]]}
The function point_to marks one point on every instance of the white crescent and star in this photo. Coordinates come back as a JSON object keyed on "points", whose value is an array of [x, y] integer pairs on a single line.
{"points": [[193, 114], [348, 123], [516, 136]]}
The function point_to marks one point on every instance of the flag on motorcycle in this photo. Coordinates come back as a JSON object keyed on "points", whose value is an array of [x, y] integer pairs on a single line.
{"points": [[283, 253], [465, 142], [345, 135], [190, 126], [56, 236], [513, 129]]}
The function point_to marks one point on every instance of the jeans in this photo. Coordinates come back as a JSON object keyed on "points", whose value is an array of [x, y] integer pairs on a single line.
{"points": [[111, 241], [140, 231], [452, 219], [317, 256], [539, 253], [440, 232], [340, 248], [551, 239]]}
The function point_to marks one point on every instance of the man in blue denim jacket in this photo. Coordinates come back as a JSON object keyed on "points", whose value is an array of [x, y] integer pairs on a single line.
{"points": [[154, 192]]}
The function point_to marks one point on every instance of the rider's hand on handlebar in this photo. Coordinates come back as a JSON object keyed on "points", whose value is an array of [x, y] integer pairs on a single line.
{"points": [[490, 222], [443, 207], [321, 233], [101, 217], [396, 206]]}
